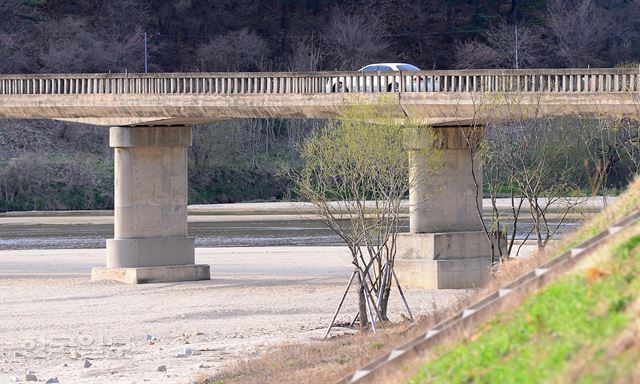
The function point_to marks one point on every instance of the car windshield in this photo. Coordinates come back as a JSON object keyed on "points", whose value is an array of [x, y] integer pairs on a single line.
{"points": [[369, 68], [407, 67]]}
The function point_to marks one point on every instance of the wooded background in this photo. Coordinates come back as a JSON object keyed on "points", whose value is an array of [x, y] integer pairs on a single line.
{"points": [[55, 165], [280, 35]]}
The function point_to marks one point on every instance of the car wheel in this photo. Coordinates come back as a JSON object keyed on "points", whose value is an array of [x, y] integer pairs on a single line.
{"points": [[338, 88]]}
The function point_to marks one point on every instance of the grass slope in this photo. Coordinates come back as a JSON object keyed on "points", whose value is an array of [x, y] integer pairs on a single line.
{"points": [[581, 328], [571, 320]]}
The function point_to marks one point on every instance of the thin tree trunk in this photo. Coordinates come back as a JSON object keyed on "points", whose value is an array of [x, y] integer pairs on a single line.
{"points": [[362, 304]]}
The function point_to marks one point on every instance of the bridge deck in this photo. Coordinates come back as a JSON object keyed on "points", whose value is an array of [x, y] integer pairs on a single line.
{"points": [[435, 96]]}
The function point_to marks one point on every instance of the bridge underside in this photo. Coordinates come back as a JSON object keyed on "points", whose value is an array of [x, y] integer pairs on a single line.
{"points": [[446, 246], [190, 109]]}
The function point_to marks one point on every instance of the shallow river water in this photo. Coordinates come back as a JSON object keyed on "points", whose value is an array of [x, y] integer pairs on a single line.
{"points": [[207, 234]]}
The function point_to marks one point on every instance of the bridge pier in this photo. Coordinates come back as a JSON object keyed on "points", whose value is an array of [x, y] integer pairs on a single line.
{"points": [[446, 247], [150, 241]]}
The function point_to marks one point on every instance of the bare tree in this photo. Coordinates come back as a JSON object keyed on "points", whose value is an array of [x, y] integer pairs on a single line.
{"points": [[518, 46], [356, 173], [629, 140], [306, 55], [536, 157], [240, 50], [581, 30], [68, 46], [611, 147], [600, 138], [124, 52], [352, 40], [475, 54], [506, 46], [527, 160]]}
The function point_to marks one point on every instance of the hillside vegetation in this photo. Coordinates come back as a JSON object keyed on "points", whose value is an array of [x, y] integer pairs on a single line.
{"points": [[53, 165], [49, 165], [250, 35]]}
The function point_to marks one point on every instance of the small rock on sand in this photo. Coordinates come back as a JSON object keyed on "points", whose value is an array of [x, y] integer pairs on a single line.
{"points": [[87, 364], [17, 354], [53, 380], [188, 352], [191, 352], [162, 368], [30, 377], [151, 339]]}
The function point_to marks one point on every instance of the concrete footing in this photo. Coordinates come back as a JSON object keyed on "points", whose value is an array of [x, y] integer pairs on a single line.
{"points": [[143, 275], [150, 252], [444, 260], [444, 274]]}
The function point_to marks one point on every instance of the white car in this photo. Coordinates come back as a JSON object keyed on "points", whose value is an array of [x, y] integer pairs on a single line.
{"points": [[391, 83]]}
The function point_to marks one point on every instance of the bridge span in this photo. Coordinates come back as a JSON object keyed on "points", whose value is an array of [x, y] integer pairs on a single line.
{"points": [[151, 115], [191, 98]]}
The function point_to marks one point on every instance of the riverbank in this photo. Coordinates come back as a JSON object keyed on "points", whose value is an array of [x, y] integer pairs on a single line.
{"points": [[54, 318], [289, 210]]}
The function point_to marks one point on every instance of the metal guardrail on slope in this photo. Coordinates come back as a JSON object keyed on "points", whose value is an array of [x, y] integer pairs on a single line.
{"points": [[488, 80], [502, 299]]}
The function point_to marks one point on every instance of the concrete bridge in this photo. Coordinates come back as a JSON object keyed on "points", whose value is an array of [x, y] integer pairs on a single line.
{"points": [[151, 115]]}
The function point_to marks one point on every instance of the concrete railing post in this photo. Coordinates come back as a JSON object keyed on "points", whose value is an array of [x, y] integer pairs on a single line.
{"points": [[150, 241], [446, 246]]}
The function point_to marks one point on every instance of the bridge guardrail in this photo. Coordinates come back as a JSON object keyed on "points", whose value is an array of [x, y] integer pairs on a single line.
{"points": [[537, 80]]}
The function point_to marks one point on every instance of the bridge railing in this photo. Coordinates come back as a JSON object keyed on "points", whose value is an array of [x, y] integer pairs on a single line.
{"points": [[543, 80]]}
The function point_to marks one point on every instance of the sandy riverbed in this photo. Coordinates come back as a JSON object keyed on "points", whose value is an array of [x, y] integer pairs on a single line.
{"points": [[53, 318]]}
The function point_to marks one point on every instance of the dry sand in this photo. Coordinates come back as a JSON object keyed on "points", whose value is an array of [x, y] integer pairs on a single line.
{"points": [[53, 318]]}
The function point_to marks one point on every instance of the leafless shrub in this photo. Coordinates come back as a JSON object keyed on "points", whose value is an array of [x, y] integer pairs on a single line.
{"points": [[240, 50], [506, 38], [499, 50], [306, 55], [475, 54], [582, 31], [352, 40], [35, 182], [68, 46], [124, 52]]}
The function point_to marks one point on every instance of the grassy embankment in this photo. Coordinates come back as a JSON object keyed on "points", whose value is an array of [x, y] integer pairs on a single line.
{"points": [[568, 332], [581, 328], [328, 361]]}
